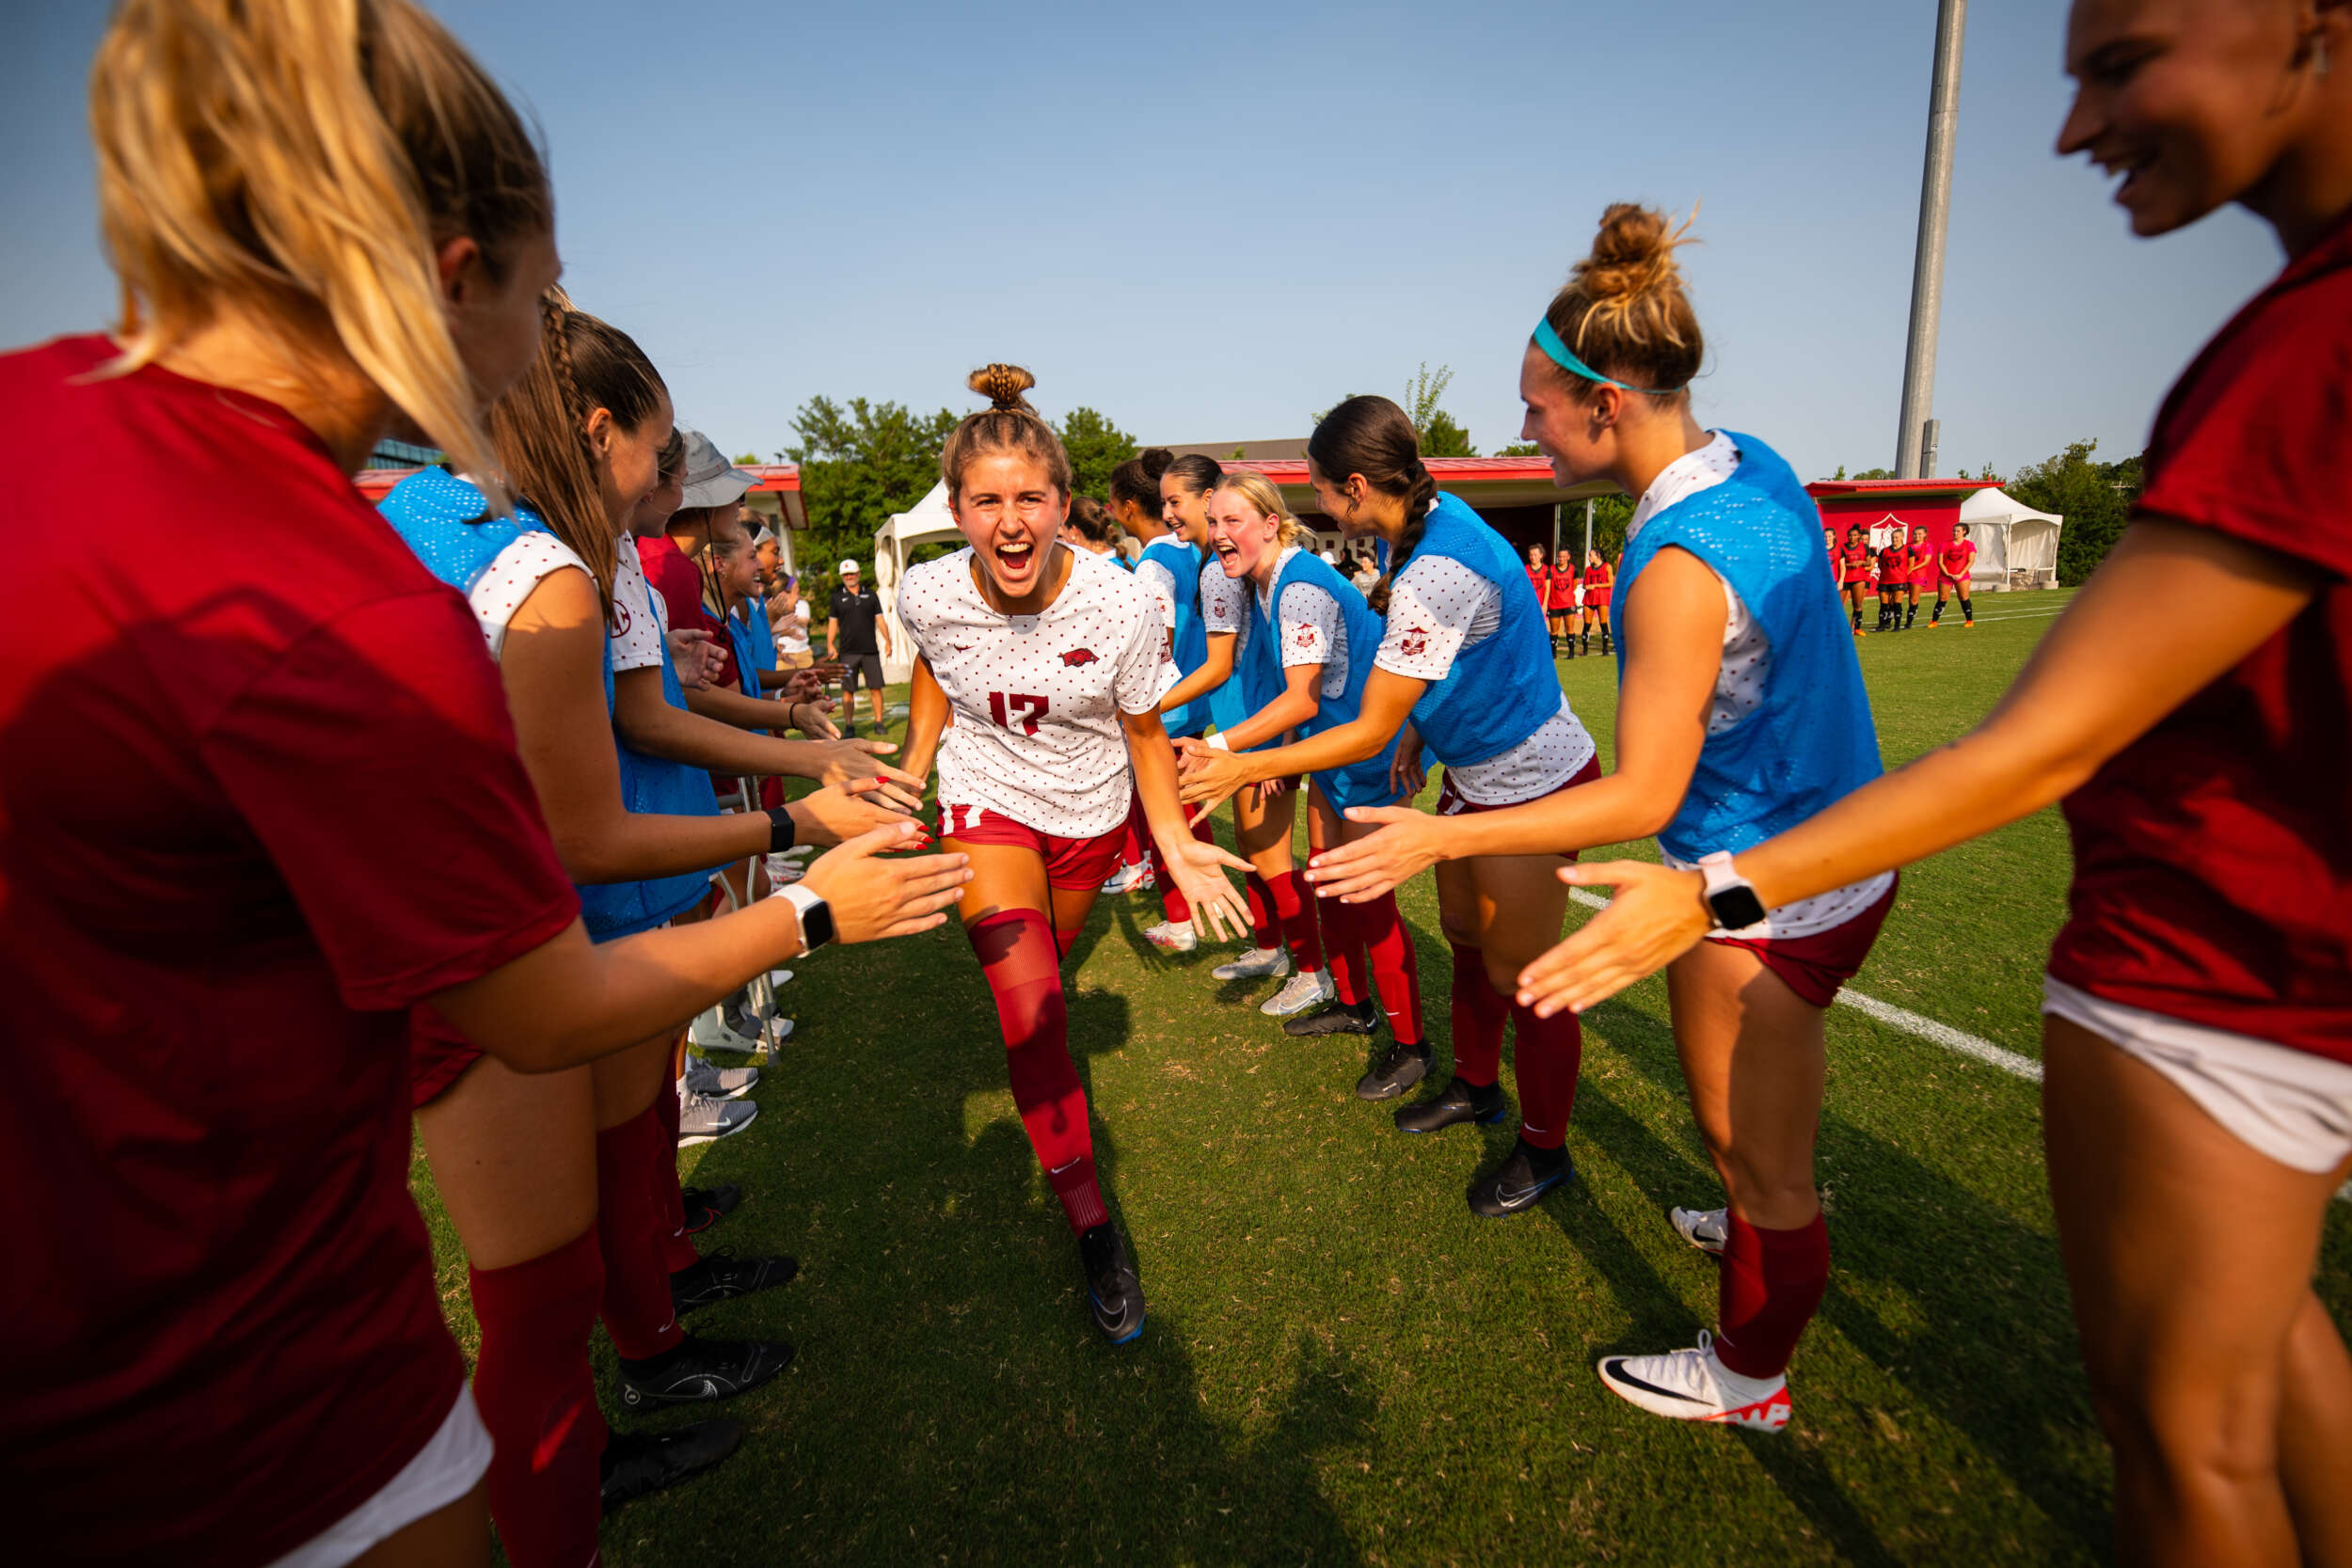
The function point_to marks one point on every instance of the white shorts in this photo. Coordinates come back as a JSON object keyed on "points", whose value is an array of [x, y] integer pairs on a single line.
{"points": [[444, 1470], [2288, 1105]]}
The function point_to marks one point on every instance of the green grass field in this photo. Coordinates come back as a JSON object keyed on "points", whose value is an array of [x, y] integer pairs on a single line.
{"points": [[1342, 1363]]}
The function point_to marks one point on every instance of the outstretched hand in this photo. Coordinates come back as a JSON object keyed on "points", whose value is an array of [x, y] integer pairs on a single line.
{"points": [[1658, 916], [1196, 868], [1406, 773], [1206, 776], [838, 813], [696, 655], [1363, 869], [844, 761], [872, 898]]}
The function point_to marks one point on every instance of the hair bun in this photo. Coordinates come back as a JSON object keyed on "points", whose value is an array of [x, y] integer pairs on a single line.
{"points": [[1003, 384], [1155, 461], [1633, 254]]}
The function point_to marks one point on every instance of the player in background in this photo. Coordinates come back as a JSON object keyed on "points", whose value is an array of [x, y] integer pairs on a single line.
{"points": [[1738, 669], [1560, 596], [1035, 689], [1539, 579], [1209, 694], [2197, 1046], [1853, 573], [1461, 660], [1893, 562], [1922, 574], [1306, 645], [1953, 564], [1598, 577]]}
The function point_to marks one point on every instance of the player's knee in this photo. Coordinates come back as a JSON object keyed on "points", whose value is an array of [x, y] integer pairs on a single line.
{"points": [[1457, 929]]}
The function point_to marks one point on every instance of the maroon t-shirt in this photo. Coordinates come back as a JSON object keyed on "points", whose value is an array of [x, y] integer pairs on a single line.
{"points": [[258, 794], [679, 580], [2213, 856]]}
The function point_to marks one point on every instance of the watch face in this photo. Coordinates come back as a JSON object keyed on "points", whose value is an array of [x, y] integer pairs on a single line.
{"points": [[1736, 908], [816, 926]]}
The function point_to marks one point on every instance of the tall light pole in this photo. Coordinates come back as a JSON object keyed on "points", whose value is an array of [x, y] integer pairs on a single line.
{"points": [[1926, 267]]}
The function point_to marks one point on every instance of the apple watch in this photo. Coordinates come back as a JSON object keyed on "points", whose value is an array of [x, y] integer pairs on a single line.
{"points": [[816, 915], [782, 830], [1733, 903]]}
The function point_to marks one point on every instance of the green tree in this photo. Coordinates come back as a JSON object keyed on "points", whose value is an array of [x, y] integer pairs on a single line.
{"points": [[1096, 447], [2094, 497], [1441, 433], [747, 458], [1518, 449], [860, 462]]}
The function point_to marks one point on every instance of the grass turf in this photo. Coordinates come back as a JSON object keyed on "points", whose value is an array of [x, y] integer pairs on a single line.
{"points": [[1342, 1363]]}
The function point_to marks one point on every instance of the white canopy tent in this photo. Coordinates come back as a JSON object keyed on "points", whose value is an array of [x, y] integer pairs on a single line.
{"points": [[2016, 545], [926, 522]]}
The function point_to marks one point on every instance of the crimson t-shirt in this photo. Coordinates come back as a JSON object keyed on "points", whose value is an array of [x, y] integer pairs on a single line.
{"points": [[679, 580], [2213, 856], [258, 794]]}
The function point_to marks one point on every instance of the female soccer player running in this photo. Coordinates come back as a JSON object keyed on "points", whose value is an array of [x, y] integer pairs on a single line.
{"points": [[1462, 660], [1047, 661], [1305, 647], [2197, 1046], [325, 219], [1742, 710], [1953, 565]]}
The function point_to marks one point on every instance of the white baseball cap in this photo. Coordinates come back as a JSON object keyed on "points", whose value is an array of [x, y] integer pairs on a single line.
{"points": [[710, 479], [848, 566]]}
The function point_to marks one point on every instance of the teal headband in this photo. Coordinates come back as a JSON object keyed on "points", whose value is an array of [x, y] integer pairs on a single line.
{"points": [[1565, 356]]}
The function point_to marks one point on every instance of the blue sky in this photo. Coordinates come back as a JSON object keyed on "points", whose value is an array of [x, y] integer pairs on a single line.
{"points": [[1208, 221]]}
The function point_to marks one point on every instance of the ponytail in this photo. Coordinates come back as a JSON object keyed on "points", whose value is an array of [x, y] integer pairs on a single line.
{"points": [[1372, 437], [302, 158]]}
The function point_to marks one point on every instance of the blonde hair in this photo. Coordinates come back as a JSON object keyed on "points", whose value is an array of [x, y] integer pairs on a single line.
{"points": [[1008, 424], [1266, 500], [1624, 309], [304, 159]]}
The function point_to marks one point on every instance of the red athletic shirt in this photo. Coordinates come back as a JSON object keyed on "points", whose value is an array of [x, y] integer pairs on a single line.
{"points": [[1894, 564], [1856, 561], [258, 794], [1562, 595], [679, 580], [2213, 856], [1596, 575], [1954, 559]]}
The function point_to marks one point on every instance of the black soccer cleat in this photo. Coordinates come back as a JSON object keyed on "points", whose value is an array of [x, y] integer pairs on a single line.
{"points": [[701, 1371], [1459, 1102], [1394, 1070], [1336, 1018], [636, 1463], [1520, 1182], [1113, 1290], [723, 1277], [707, 1205]]}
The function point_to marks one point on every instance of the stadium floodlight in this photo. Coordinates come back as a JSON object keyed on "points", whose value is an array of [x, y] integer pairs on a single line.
{"points": [[1926, 267]]}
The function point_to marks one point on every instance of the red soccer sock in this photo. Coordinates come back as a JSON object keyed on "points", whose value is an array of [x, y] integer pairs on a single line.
{"points": [[677, 1248], [1297, 911], [1343, 945], [539, 1402], [1395, 970], [1138, 840], [1265, 926], [1769, 1287], [1479, 1015], [1547, 1052], [631, 1231], [1017, 952]]}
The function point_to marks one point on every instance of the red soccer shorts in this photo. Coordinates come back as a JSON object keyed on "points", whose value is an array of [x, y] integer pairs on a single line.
{"points": [[1815, 966], [1070, 863], [1452, 802]]}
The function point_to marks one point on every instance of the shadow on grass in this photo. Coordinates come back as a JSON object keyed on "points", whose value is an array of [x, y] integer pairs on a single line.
{"points": [[952, 1401], [2020, 1396]]}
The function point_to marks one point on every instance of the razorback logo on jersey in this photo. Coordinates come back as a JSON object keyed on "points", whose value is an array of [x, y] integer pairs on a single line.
{"points": [[620, 611], [1305, 637], [1413, 641], [960, 647], [1079, 655]]}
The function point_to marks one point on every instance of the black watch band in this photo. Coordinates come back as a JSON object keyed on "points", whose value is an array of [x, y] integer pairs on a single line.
{"points": [[782, 830]]}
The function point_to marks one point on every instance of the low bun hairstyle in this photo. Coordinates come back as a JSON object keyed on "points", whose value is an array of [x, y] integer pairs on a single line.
{"points": [[1624, 309], [1372, 436], [1008, 424], [1137, 481]]}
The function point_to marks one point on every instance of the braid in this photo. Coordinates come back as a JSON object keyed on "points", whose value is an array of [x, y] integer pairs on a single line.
{"points": [[1419, 502], [556, 310]]}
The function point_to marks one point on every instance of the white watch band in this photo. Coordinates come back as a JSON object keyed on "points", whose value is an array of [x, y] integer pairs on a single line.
{"points": [[1218, 741], [1717, 871], [802, 898]]}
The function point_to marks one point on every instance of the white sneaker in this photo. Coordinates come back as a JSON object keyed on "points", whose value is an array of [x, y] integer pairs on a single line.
{"points": [[720, 1083], [1704, 1229], [1693, 1386], [1261, 964], [1304, 993], [1173, 936], [1128, 878], [702, 1119]]}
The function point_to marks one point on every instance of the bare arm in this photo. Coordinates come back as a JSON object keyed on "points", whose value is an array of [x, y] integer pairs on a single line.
{"points": [[1670, 672], [1210, 776], [1293, 708], [2111, 667], [1191, 863], [647, 722], [927, 716], [1214, 671], [570, 1001]]}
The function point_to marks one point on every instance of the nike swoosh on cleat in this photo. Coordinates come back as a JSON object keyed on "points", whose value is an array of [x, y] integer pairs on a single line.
{"points": [[1616, 1370], [1526, 1194]]}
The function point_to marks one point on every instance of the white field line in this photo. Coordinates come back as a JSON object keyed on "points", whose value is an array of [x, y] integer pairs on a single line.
{"points": [[1927, 1029]]}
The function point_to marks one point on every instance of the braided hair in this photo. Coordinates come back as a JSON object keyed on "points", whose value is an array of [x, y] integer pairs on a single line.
{"points": [[1008, 424], [1373, 437]]}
